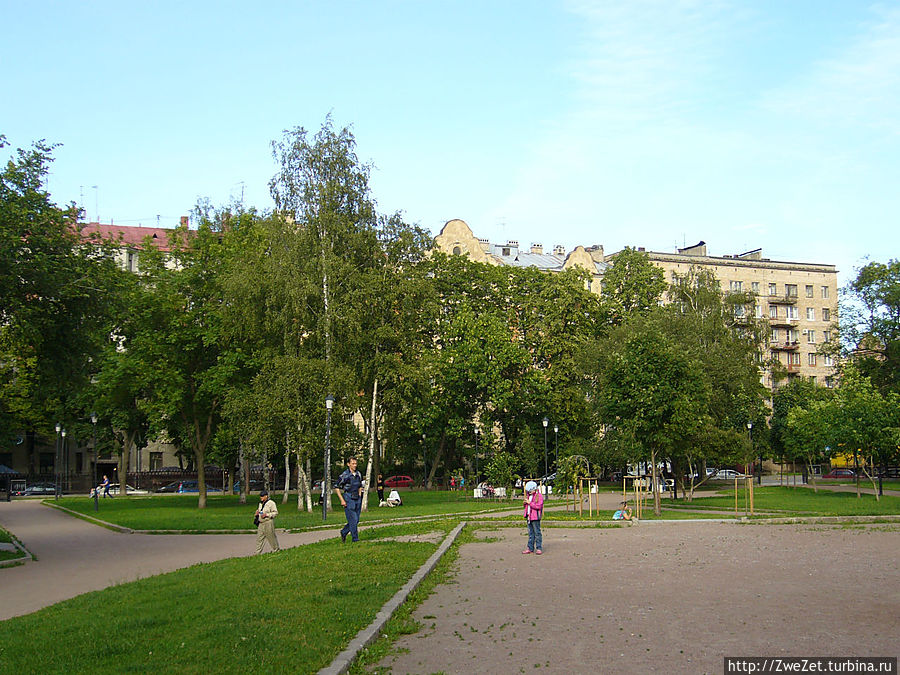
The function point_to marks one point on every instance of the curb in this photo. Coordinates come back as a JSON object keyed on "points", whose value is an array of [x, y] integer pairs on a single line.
{"points": [[16, 546], [366, 636], [90, 519]]}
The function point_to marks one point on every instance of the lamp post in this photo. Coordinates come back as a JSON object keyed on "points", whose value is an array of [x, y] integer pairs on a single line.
{"points": [[555, 447], [94, 442], [63, 451], [477, 431], [56, 463], [759, 464], [326, 479], [425, 462], [545, 422]]}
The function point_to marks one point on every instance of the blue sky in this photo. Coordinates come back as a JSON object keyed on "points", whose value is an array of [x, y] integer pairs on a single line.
{"points": [[645, 123]]}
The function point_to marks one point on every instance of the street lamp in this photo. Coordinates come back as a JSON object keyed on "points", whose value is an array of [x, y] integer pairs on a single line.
{"points": [[759, 466], [94, 441], [556, 446], [477, 431], [63, 450], [326, 480], [545, 422], [56, 463]]}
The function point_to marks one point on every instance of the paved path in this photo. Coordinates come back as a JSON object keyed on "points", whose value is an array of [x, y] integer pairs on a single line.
{"points": [[74, 557]]}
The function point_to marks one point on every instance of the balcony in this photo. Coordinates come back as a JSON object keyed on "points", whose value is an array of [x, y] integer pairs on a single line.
{"points": [[783, 299], [793, 367], [785, 346], [786, 323]]}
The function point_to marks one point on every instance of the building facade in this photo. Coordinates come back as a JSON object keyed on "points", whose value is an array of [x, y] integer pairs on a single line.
{"points": [[799, 300]]}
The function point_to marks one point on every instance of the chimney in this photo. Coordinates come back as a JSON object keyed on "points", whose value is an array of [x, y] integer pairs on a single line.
{"points": [[559, 249], [537, 249], [185, 220]]}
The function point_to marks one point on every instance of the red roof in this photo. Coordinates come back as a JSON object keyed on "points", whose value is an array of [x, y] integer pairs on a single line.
{"points": [[132, 236]]}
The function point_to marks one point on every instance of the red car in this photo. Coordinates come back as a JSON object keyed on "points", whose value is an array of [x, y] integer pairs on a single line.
{"points": [[398, 481], [840, 473]]}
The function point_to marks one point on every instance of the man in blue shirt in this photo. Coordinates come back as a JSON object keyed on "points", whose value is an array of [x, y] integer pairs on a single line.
{"points": [[350, 490]]}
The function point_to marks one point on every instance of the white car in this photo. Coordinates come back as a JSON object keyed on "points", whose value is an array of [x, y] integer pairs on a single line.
{"points": [[727, 474], [114, 490]]}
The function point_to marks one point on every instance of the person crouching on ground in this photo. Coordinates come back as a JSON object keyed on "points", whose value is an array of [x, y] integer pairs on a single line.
{"points": [[350, 489], [265, 529], [534, 509], [624, 513]]}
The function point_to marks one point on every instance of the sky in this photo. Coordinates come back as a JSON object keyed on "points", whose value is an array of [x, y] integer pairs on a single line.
{"points": [[654, 123]]}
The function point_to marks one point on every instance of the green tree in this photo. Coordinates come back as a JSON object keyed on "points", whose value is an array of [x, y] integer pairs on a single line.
{"points": [[632, 286], [870, 322], [647, 386], [59, 296]]}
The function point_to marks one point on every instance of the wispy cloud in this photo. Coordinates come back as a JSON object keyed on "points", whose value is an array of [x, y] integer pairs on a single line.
{"points": [[858, 86]]}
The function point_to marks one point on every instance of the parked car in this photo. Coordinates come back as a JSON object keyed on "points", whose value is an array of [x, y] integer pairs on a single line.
{"points": [[255, 486], [548, 479], [182, 486], [840, 473], [727, 474], [616, 476], [398, 481], [114, 490], [37, 489]]}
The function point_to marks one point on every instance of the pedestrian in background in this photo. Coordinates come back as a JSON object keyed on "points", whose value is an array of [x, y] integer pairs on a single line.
{"points": [[350, 488], [534, 509], [265, 522]]}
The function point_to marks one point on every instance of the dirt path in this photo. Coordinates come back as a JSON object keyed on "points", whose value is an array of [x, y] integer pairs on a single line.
{"points": [[74, 557], [660, 597]]}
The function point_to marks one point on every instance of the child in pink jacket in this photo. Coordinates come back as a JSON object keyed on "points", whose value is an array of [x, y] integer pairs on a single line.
{"points": [[534, 509]]}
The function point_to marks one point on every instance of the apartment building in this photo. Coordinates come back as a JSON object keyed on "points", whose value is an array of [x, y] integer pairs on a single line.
{"points": [[799, 300]]}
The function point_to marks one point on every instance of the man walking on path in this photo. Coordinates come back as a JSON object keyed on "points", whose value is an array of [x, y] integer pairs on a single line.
{"points": [[105, 486], [265, 529], [350, 489]]}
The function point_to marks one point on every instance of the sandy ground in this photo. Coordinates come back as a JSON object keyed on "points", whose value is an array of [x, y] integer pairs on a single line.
{"points": [[74, 557], [660, 597]]}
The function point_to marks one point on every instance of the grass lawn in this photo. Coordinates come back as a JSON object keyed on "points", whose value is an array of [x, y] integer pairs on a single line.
{"points": [[223, 512], [797, 502], [4, 537], [292, 611]]}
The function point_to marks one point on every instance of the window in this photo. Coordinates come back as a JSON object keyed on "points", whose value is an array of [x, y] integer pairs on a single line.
{"points": [[812, 378], [739, 312], [812, 359], [79, 462], [736, 286], [827, 360], [757, 311], [156, 460], [774, 335], [773, 311], [457, 250], [826, 336], [790, 290], [826, 314], [810, 313], [505, 251], [794, 359], [792, 335], [754, 287], [824, 292], [829, 382], [811, 337], [809, 290], [773, 289], [791, 312]]}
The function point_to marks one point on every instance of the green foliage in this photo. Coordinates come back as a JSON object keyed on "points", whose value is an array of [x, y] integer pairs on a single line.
{"points": [[58, 299], [502, 470], [632, 286], [870, 323]]}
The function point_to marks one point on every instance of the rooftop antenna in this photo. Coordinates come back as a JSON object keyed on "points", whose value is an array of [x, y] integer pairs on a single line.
{"points": [[97, 201], [157, 220], [81, 201]]}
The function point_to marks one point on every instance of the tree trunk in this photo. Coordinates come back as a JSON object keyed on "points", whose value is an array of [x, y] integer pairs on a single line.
{"points": [[437, 458], [309, 506], [287, 467], [244, 473], [124, 460], [373, 425], [302, 485], [657, 506]]}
